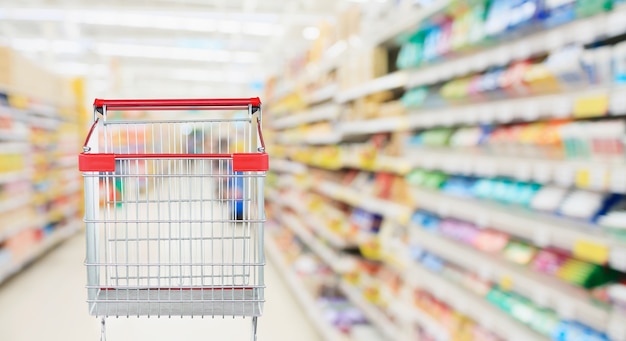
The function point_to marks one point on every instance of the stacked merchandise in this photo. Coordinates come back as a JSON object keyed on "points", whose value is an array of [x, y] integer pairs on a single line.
{"points": [[39, 187], [472, 171]]}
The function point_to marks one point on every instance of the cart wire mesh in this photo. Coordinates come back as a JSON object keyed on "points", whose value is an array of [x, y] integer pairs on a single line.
{"points": [[173, 227]]}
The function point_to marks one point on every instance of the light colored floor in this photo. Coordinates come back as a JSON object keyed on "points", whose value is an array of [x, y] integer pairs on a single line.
{"points": [[47, 302]]}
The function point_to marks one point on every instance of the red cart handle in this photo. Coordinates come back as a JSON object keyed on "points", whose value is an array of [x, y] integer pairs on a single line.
{"points": [[176, 103]]}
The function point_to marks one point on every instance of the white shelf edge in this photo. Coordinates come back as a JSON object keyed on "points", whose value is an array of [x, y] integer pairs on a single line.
{"points": [[286, 166], [326, 112], [377, 318], [542, 228], [527, 109], [337, 262], [318, 226], [352, 197], [9, 135], [308, 304], [468, 303], [523, 168], [323, 94], [554, 293], [15, 176], [374, 126], [12, 203], [390, 81]]}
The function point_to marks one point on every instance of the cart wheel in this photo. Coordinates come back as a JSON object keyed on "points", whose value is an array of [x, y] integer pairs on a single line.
{"points": [[254, 327], [103, 335]]}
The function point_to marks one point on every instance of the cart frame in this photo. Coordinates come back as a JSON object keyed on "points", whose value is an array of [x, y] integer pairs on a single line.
{"points": [[179, 229]]}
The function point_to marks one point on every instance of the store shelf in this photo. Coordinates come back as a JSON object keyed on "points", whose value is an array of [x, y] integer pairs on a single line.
{"points": [[67, 161], [320, 227], [401, 22], [11, 135], [375, 126], [14, 147], [468, 303], [311, 139], [15, 202], [403, 310], [544, 290], [324, 94], [10, 228], [581, 31], [391, 210], [15, 176], [334, 259], [391, 81], [326, 112], [373, 314], [542, 229], [61, 234], [606, 175], [309, 306], [550, 106], [286, 166]]}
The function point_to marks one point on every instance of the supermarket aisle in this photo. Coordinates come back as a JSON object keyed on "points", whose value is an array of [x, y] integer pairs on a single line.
{"points": [[47, 302]]}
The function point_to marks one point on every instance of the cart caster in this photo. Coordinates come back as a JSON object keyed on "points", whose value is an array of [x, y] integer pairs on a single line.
{"points": [[103, 335], [254, 327]]}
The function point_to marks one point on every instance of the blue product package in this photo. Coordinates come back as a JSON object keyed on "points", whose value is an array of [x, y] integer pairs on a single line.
{"points": [[416, 253], [501, 189], [431, 43], [483, 188], [459, 186], [497, 18], [558, 12], [433, 262], [236, 190], [426, 220], [523, 14]]}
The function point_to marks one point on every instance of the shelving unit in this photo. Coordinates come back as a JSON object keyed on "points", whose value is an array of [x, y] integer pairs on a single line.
{"points": [[40, 188], [348, 136], [305, 299]]}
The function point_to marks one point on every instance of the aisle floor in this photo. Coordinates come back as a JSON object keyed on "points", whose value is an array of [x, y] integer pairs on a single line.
{"points": [[47, 302]]}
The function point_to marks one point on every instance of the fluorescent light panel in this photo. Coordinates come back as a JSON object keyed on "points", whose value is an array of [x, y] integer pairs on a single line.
{"points": [[137, 51], [183, 22]]}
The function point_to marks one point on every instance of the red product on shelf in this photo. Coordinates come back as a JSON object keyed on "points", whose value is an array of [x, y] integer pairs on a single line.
{"points": [[549, 261]]}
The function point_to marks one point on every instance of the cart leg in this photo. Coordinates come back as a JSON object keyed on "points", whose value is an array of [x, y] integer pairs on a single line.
{"points": [[254, 325], [103, 335]]}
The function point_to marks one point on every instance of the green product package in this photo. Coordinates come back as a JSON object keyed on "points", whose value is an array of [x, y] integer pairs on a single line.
{"points": [[544, 321], [483, 188], [415, 97], [586, 8], [411, 52], [435, 180], [520, 253], [416, 177]]}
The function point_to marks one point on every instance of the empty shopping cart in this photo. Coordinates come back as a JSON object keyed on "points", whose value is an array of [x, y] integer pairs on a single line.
{"points": [[174, 208]]}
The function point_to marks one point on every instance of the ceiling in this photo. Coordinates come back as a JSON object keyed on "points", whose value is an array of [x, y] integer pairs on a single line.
{"points": [[157, 48]]}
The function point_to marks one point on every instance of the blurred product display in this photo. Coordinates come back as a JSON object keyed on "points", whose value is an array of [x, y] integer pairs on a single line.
{"points": [[459, 169], [40, 200]]}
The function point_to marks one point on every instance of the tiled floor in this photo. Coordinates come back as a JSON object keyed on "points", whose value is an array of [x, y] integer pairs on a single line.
{"points": [[47, 302]]}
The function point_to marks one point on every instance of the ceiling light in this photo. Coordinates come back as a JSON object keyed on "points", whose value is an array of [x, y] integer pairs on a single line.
{"points": [[176, 53], [56, 46], [311, 33], [160, 20]]}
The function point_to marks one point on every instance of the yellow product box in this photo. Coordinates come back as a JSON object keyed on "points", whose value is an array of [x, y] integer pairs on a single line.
{"points": [[392, 109], [541, 80]]}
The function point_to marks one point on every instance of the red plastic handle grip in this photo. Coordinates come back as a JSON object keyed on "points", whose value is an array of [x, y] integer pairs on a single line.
{"points": [[165, 103]]}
